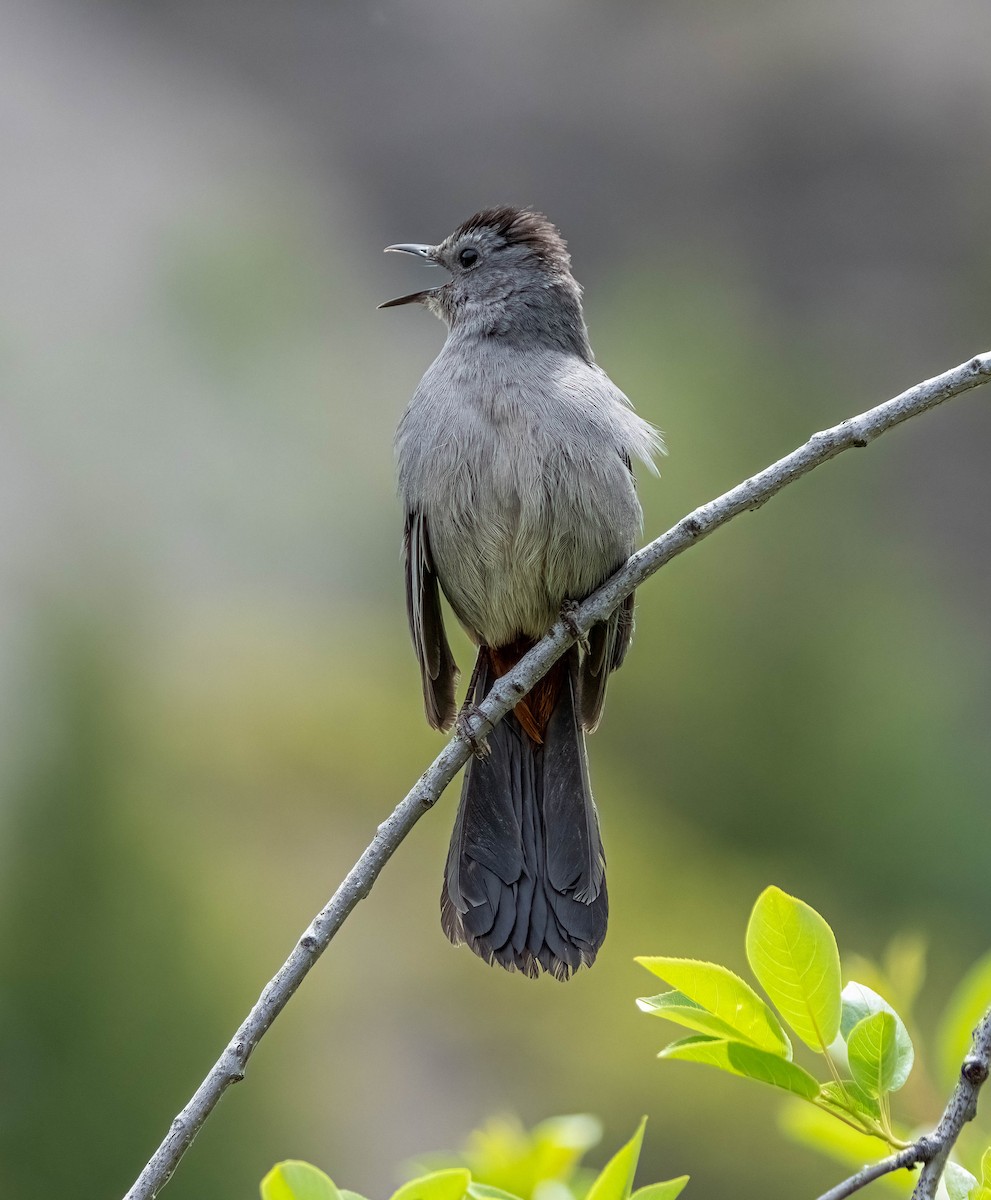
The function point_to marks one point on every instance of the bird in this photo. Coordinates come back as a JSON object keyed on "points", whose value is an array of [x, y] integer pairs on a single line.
{"points": [[514, 463]]}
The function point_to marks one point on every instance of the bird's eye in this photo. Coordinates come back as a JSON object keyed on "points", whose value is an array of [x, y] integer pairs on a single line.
{"points": [[468, 257]]}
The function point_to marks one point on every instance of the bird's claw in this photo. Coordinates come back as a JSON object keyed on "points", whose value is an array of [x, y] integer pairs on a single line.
{"points": [[465, 724], [569, 617]]}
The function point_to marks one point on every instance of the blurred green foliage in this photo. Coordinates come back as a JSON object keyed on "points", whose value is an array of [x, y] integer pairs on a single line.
{"points": [[502, 1162], [504, 1154], [109, 1004]]}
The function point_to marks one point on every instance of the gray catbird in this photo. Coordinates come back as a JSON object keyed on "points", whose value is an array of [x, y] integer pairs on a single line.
{"points": [[514, 460]]}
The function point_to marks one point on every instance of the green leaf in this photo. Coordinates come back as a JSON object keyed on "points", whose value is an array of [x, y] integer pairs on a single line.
{"points": [[727, 997], [347, 1194], [900, 974], [577, 1132], [515, 1159], [959, 1181], [793, 953], [849, 1097], [438, 1185], [296, 1180], [483, 1191], [556, 1189], [669, 1190], [615, 1181], [750, 1062], [871, 1051], [680, 1009], [986, 1167], [558, 1144], [966, 1007], [859, 1001]]}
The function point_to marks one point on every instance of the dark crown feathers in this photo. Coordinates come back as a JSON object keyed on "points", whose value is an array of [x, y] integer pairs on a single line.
{"points": [[522, 227]]}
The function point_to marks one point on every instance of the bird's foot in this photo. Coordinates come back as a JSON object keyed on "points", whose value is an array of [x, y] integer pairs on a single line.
{"points": [[569, 617], [466, 724]]}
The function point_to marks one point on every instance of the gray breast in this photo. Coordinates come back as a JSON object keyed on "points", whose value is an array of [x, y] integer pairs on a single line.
{"points": [[520, 465]]}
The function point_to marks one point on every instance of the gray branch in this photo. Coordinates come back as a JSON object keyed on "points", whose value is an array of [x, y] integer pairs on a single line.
{"points": [[934, 1148], [904, 1158], [961, 1109], [752, 493]]}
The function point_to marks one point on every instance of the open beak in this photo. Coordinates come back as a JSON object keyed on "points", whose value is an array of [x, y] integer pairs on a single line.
{"points": [[424, 252]]}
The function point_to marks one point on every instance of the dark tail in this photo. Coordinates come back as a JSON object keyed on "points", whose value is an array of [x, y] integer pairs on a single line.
{"points": [[525, 880]]}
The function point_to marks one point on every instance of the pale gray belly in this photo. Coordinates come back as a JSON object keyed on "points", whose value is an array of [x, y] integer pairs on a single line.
{"points": [[514, 536]]}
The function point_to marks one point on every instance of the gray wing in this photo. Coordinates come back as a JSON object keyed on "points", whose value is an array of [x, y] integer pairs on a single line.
{"points": [[608, 643], [438, 669]]}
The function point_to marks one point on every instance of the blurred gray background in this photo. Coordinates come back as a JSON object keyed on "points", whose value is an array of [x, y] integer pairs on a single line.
{"points": [[207, 703]]}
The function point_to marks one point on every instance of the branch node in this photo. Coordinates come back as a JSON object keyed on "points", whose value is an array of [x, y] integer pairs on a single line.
{"points": [[974, 1070], [692, 526], [308, 943], [925, 1149]]}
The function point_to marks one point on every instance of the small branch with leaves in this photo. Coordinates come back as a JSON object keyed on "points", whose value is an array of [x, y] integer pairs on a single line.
{"points": [[933, 1149], [858, 431], [862, 1042]]}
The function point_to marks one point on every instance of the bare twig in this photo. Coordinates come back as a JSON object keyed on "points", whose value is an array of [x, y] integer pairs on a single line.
{"points": [[894, 1162], [752, 493], [933, 1149]]}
